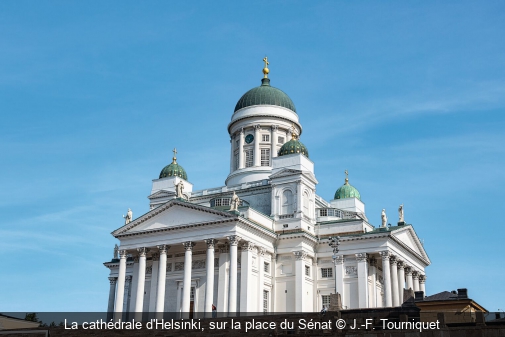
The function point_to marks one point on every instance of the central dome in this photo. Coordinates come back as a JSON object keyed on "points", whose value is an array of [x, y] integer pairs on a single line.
{"points": [[265, 95]]}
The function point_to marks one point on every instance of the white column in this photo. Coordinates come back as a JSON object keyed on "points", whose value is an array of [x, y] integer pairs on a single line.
{"points": [[232, 298], [300, 292], [288, 136], [231, 153], [134, 282], [339, 277], [141, 282], [373, 286], [257, 153], [154, 281], [422, 281], [120, 285], [224, 278], [241, 150], [401, 280], [362, 280], [127, 297], [408, 274], [415, 278], [274, 145], [394, 281], [387, 278], [112, 297], [246, 295], [261, 279], [186, 285], [209, 284], [162, 277]]}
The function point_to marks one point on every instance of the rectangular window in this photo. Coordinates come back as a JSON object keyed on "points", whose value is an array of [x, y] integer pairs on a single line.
{"points": [[285, 226], [265, 157], [248, 154], [265, 138], [280, 140], [265, 301], [307, 271], [235, 159], [323, 212], [217, 202], [326, 272], [266, 267], [325, 300]]}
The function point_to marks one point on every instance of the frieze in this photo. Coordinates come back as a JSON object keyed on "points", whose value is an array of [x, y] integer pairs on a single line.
{"points": [[351, 270], [179, 266]]}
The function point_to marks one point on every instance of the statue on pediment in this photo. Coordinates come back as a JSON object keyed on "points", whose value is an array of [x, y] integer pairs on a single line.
{"points": [[400, 214], [235, 202], [116, 251], [384, 218], [128, 217], [179, 188]]}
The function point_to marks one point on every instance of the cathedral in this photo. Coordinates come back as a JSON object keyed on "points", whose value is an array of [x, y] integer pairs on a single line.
{"points": [[264, 241]]}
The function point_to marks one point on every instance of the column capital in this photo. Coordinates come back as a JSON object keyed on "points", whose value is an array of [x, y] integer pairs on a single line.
{"points": [[112, 280], [242, 130], [210, 243], [122, 253], [155, 256], [393, 259], [386, 255], [163, 248], [248, 245], [338, 259], [422, 278], [261, 251], [275, 127], [188, 245], [361, 257], [400, 264], [300, 254], [408, 270], [142, 251], [234, 239], [415, 274], [257, 127]]}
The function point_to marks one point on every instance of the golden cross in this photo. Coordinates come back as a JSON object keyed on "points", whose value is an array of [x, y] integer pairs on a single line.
{"points": [[266, 70], [266, 62], [174, 151], [346, 174]]}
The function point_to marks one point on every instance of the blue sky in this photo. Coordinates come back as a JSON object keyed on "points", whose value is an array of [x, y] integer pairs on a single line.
{"points": [[408, 96]]}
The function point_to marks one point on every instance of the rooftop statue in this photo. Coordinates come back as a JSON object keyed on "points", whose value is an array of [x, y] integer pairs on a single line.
{"points": [[128, 217], [179, 187], [400, 214], [384, 218], [235, 202]]}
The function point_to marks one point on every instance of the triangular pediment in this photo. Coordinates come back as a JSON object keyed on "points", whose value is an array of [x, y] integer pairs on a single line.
{"points": [[161, 194], [408, 237], [174, 213], [291, 172]]}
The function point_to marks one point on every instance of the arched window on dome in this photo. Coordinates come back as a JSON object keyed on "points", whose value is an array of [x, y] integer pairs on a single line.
{"points": [[287, 202]]}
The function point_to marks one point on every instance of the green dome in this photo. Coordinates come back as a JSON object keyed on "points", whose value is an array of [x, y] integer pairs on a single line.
{"points": [[174, 170], [293, 146], [347, 191], [265, 95]]}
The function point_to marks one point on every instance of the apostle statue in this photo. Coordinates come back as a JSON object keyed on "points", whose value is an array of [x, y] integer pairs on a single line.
{"points": [[116, 250], [179, 187], [235, 202], [400, 214], [128, 217], [384, 218]]}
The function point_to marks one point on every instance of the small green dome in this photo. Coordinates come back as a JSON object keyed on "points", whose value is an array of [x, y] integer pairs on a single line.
{"points": [[293, 146], [347, 191], [265, 95], [174, 170]]}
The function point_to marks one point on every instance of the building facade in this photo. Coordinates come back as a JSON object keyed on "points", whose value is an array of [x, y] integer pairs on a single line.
{"points": [[265, 241]]}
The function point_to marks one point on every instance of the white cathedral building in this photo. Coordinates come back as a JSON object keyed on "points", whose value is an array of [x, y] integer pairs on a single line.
{"points": [[265, 241]]}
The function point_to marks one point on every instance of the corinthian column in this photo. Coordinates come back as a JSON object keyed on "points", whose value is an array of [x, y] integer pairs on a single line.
{"points": [[274, 146], [394, 281], [300, 292], [362, 280], [112, 296], [141, 281], [401, 280], [408, 274], [415, 278], [241, 150], [257, 154], [232, 304], [120, 285], [246, 295], [162, 277], [232, 145], [209, 284], [422, 281], [186, 282], [387, 277], [339, 276]]}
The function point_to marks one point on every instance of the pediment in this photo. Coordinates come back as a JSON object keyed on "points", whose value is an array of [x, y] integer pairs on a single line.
{"points": [[174, 213], [161, 194], [409, 238], [290, 172]]}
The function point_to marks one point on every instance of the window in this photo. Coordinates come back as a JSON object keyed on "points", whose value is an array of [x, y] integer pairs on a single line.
{"points": [[323, 212], [326, 272], [287, 202], [266, 267], [265, 301], [306, 203], [307, 271], [218, 202], [325, 300], [235, 159], [265, 138], [265, 157], [248, 154], [285, 226], [280, 140]]}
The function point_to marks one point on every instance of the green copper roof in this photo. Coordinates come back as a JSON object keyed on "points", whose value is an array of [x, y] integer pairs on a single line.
{"points": [[347, 191], [265, 95], [293, 146], [173, 170]]}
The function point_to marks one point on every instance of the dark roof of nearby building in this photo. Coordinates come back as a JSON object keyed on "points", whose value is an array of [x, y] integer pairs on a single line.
{"points": [[265, 95]]}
